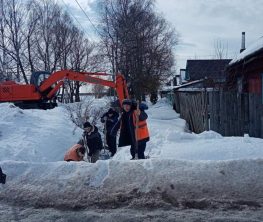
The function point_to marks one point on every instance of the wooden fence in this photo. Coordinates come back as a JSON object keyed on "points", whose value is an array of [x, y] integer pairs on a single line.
{"points": [[228, 113]]}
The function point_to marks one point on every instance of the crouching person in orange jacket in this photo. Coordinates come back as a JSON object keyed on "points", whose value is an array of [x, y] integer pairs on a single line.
{"points": [[75, 153]]}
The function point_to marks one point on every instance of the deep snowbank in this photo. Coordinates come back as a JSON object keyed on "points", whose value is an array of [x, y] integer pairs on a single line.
{"points": [[207, 169], [45, 135], [156, 182], [35, 135]]}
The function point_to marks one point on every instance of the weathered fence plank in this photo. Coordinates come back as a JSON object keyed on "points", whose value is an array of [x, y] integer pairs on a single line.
{"points": [[228, 113]]}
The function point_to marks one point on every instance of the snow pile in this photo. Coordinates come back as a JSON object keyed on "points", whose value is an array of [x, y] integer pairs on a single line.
{"points": [[45, 135], [183, 165], [253, 48], [169, 140], [117, 182], [35, 135], [211, 146], [38, 135]]}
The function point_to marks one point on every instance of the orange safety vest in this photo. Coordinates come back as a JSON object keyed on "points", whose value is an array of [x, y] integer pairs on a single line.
{"points": [[143, 131], [71, 154]]}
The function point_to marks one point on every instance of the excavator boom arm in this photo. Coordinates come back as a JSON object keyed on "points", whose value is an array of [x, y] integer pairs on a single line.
{"points": [[89, 77]]}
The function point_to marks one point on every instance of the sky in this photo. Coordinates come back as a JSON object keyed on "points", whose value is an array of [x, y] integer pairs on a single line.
{"points": [[199, 24]]}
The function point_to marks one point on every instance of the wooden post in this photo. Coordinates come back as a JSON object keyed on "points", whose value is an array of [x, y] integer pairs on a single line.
{"points": [[206, 110], [136, 130]]}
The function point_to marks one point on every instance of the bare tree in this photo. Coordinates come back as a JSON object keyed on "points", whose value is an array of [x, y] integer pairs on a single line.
{"points": [[220, 49], [84, 111], [3, 55], [98, 91], [47, 52], [79, 59], [138, 42], [15, 16], [79, 112], [39, 35], [31, 38]]}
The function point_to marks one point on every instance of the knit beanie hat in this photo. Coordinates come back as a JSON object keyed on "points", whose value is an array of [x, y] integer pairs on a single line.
{"points": [[86, 125], [82, 150], [126, 102], [110, 111]]}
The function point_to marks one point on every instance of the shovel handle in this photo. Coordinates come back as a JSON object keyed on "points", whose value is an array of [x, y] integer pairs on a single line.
{"points": [[136, 130]]}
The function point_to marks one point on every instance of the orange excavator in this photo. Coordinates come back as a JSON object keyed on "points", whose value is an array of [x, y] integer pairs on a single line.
{"points": [[43, 87]]}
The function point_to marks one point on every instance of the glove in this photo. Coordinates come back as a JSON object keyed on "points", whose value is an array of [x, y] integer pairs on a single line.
{"points": [[137, 112]]}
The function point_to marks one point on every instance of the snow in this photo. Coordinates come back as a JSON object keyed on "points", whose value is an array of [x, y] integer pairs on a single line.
{"points": [[34, 135], [186, 172], [256, 46]]}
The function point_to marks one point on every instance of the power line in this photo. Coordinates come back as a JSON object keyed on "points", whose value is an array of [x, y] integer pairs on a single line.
{"points": [[75, 18], [87, 17]]}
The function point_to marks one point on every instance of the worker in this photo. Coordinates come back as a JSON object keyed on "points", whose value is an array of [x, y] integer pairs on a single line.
{"points": [[75, 153], [110, 118], [127, 126], [2, 177], [91, 139]]}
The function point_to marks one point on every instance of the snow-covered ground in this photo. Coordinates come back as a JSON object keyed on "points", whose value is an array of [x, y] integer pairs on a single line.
{"points": [[188, 177]]}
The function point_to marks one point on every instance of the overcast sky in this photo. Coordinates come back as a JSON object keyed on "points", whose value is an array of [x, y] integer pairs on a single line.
{"points": [[199, 23]]}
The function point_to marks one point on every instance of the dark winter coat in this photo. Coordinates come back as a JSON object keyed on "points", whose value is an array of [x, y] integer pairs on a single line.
{"points": [[93, 139], [126, 123], [2, 176], [111, 121]]}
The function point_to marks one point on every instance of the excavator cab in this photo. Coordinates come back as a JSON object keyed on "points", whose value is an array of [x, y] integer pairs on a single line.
{"points": [[37, 78]]}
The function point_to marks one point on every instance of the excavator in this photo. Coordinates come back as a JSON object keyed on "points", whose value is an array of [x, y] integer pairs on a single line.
{"points": [[44, 86]]}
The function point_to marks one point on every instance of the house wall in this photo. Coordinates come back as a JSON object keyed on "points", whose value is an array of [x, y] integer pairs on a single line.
{"points": [[255, 83], [246, 75]]}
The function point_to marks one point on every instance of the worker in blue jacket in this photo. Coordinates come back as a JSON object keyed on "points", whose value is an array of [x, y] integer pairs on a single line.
{"points": [[110, 118]]}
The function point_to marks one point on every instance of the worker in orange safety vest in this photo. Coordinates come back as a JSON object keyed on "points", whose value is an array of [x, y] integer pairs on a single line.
{"points": [[133, 128]]}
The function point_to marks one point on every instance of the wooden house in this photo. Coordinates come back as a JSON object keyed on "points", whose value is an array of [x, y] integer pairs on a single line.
{"points": [[212, 70], [245, 72]]}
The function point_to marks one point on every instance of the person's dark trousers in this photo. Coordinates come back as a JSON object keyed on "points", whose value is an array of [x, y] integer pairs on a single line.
{"points": [[141, 150], [111, 142]]}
